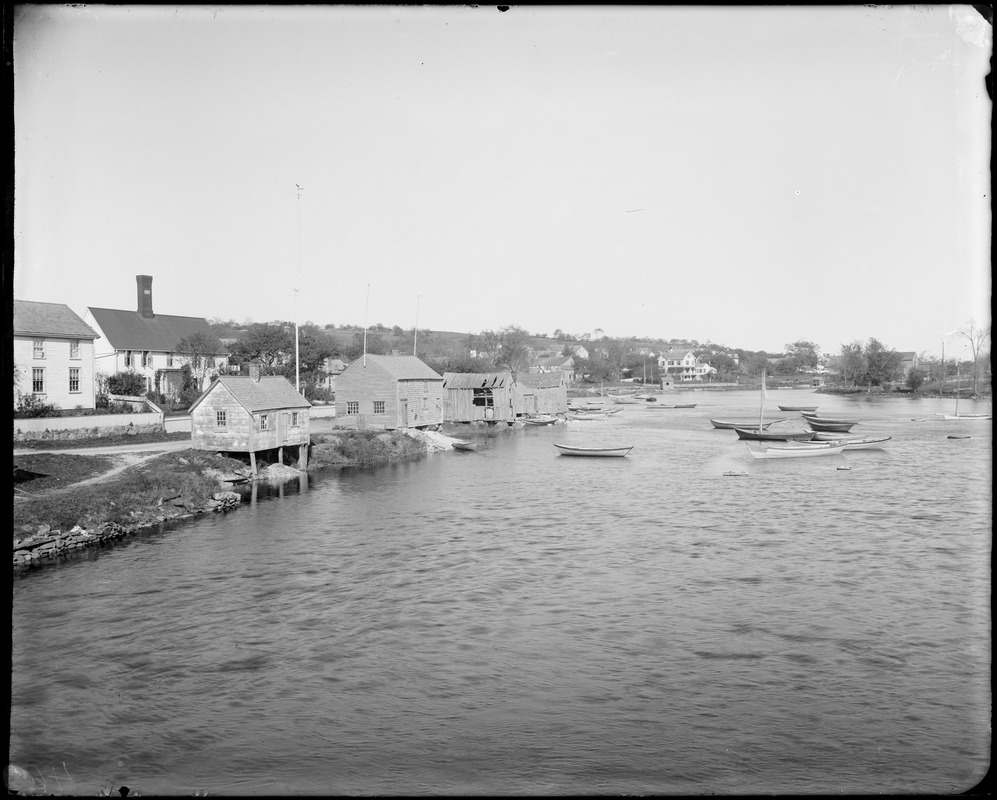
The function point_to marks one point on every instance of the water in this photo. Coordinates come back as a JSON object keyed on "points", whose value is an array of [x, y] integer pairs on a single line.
{"points": [[512, 621]]}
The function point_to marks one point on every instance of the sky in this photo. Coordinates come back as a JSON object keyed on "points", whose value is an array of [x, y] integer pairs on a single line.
{"points": [[749, 176]]}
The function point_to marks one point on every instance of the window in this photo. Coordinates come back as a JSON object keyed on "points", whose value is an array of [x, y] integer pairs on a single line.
{"points": [[74, 349], [378, 406], [38, 380], [210, 362], [353, 407], [128, 358], [294, 419], [146, 358], [74, 379], [38, 348], [169, 359], [483, 397], [264, 422], [220, 420]]}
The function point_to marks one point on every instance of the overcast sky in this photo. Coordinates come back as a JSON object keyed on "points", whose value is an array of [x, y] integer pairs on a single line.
{"points": [[751, 177]]}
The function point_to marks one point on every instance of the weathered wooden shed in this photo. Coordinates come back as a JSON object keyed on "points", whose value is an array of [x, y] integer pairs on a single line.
{"points": [[251, 414], [540, 393], [389, 392], [478, 397]]}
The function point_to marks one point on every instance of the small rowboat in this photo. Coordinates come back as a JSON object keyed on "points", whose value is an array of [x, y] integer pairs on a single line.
{"points": [[747, 424], [599, 452], [968, 416], [623, 398], [830, 420], [765, 436], [798, 408], [465, 446], [797, 450], [545, 419], [834, 427], [854, 442], [583, 416]]}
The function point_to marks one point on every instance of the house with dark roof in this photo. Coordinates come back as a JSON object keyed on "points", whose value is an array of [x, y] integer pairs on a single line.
{"points": [[53, 354], [389, 392], [149, 343], [561, 364], [251, 414], [908, 362]]}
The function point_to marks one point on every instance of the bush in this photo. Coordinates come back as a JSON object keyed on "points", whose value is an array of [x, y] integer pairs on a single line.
{"points": [[30, 406], [129, 384]]}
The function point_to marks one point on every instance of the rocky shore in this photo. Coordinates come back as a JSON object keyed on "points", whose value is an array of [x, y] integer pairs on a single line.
{"points": [[38, 544]]}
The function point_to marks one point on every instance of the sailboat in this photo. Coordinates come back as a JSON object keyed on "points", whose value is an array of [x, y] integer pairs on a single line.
{"points": [[760, 434], [958, 391]]}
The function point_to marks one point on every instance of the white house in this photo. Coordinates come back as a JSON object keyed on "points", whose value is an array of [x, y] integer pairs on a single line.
{"points": [[148, 343], [54, 354], [683, 365]]}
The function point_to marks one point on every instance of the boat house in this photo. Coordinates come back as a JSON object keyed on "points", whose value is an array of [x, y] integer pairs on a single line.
{"points": [[251, 414], [478, 397], [389, 392], [540, 393]]}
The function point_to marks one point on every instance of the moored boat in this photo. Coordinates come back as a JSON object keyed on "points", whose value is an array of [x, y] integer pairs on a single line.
{"points": [[837, 426], [597, 452], [809, 415], [797, 408], [730, 424], [540, 419], [754, 434], [853, 441], [465, 446], [796, 450]]}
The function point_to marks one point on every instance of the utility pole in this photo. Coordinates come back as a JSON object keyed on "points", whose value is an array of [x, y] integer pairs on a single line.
{"points": [[415, 337], [297, 287]]}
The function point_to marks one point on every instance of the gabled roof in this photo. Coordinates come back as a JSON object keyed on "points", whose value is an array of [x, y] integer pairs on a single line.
{"points": [[541, 380], [555, 361], [908, 355], [400, 367], [477, 380], [270, 392], [129, 330], [677, 355], [49, 319]]}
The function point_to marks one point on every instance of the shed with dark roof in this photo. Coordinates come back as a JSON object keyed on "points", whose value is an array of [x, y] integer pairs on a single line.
{"points": [[389, 392], [251, 414], [478, 397]]}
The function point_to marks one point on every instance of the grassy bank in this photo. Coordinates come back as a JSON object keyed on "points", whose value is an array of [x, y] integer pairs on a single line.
{"points": [[46, 494]]}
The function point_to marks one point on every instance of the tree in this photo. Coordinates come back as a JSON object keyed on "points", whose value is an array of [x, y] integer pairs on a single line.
{"points": [[270, 345], [514, 351], [915, 378], [977, 338], [853, 365], [883, 365], [199, 349], [803, 355]]}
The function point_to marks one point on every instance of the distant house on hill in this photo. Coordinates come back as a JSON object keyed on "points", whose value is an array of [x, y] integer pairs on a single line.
{"points": [[389, 392], [54, 351], [251, 414], [683, 365], [562, 364], [909, 362], [148, 343]]}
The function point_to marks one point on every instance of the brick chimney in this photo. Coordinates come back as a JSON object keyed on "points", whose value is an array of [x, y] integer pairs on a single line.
{"points": [[145, 295], [254, 371]]}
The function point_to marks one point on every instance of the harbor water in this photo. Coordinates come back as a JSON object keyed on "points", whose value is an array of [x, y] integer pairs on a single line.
{"points": [[513, 621]]}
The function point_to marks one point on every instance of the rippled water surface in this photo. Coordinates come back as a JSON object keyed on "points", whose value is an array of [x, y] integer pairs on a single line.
{"points": [[514, 621]]}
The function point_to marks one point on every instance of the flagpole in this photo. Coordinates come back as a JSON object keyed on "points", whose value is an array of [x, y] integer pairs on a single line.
{"points": [[297, 287], [415, 339], [365, 309], [761, 408]]}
